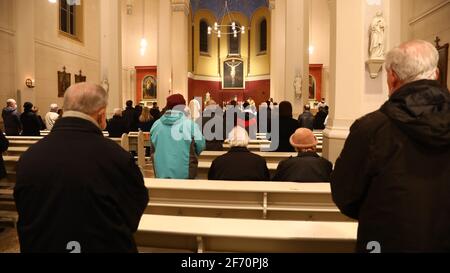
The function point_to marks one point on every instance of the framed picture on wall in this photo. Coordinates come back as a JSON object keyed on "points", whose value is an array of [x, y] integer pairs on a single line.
{"points": [[233, 74], [443, 61], [149, 88], [64, 82]]}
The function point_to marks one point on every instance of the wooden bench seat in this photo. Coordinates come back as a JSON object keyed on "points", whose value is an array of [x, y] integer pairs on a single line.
{"points": [[199, 234], [247, 200]]}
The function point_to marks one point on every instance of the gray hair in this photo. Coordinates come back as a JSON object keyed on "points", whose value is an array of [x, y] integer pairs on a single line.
{"points": [[238, 137], [86, 98], [11, 103], [414, 60], [54, 107]]}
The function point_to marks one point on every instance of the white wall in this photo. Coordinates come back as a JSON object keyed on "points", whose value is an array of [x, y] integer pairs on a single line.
{"points": [[132, 33], [320, 39], [426, 20], [54, 51], [7, 89]]}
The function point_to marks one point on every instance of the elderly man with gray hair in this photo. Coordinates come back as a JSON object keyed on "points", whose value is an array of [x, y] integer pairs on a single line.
{"points": [[76, 190], [239, 164], [393, 173], [51, 117], [11, 118]]}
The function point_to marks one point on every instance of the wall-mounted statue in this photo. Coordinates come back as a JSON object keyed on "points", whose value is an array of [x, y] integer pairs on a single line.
{"points": [[377, 29]]}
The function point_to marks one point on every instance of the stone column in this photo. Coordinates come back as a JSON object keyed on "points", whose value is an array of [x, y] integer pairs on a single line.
{"points": [[111, 51], [353, 93], [277, 49], [180, 46], [297, 54], [24, 50], [164, 51]]}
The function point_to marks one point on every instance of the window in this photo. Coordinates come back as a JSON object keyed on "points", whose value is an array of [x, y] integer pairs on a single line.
{"points": [[234, 43], [71, 18], [204, 47], [263, 36]]}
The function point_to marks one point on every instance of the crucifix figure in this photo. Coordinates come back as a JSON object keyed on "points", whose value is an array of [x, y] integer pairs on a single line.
{"points": [[233, 66]]}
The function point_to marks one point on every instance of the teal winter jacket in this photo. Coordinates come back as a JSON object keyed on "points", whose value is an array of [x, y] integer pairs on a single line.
{"points": [[177, 142]]}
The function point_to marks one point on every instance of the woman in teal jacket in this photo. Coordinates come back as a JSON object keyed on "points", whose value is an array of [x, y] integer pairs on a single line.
{"points": [[177, 142]]}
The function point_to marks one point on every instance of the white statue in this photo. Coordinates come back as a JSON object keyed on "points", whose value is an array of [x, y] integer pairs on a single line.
{"points": [[377, 37], [233, 66], [298, 85], [105, 85]]}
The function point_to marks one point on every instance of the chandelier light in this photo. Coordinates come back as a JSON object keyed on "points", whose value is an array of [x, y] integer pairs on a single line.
{"points": [[220, 30]]}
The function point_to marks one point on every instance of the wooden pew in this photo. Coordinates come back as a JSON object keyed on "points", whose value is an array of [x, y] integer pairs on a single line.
{"points": [[19, 144], [47, 132], [204, 166], [271, 157], [199, 234], [246, 200]]}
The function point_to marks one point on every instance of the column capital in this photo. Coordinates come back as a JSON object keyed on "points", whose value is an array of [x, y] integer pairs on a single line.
{"points": [[180, 5]]}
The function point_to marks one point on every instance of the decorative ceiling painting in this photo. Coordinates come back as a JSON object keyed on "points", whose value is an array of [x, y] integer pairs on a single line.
{"points": [[247, 7]]}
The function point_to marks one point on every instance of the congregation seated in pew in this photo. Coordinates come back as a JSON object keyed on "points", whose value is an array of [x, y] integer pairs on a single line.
{"points": [[308, 166], [239, 164]]}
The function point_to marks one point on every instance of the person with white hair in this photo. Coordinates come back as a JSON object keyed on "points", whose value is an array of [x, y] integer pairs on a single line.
{"points": [[393, 173], [239, 164], [51, 117], [117, 125], [76, 187], [11, 118]]}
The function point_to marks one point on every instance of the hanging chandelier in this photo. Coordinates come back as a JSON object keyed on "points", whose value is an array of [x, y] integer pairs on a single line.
{"points": [[220, 30]]}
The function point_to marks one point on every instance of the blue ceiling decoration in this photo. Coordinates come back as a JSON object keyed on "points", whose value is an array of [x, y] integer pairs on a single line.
{"points": [[247, 7]]}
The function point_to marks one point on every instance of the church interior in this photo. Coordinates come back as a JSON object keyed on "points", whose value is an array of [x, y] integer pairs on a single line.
{"points": [[305, 52]]}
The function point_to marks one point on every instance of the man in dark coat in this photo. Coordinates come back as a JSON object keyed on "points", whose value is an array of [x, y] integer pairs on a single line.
{"points": [[393, 173], [308, 166], [287, 127], [77, 190], [320, 117], [131, 117], [30, 121], [239, 164], [306, 120], [117, 125], [11, 119]]}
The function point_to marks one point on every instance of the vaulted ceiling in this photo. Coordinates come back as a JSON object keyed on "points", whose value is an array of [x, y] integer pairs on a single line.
{"points": [[247, 7]]}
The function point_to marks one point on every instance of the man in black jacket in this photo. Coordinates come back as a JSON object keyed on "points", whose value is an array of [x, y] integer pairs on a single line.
{"points": [[306, 120], [117, 125], [308, 166], [11, 118], [77, 190], [393, 173], [131, 117]]}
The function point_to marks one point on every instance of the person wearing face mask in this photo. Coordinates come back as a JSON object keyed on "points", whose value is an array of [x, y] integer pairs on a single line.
{"points": [[76, 187]]}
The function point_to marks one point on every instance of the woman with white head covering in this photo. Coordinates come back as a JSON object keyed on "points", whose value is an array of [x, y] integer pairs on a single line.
{"points": [[239, 164]]}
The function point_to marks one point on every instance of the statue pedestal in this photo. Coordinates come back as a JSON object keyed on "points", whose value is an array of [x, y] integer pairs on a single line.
{"points": [[375, 66]]}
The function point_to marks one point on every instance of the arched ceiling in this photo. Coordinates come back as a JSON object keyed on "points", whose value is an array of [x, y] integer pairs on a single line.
{"points": [[247, 7]]}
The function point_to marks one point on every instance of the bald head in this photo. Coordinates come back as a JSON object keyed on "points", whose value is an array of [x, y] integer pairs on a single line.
{"points": [[86, 98], [411, 61]]}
